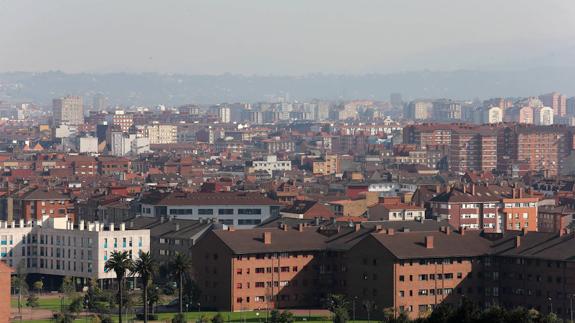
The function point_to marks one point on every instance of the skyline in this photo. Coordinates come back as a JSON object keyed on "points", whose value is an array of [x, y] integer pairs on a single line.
{"points": [[299, 38]]}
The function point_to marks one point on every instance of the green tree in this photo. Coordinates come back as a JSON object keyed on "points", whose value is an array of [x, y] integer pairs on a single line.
{"points": [[338, 305], [467, 312], [68, 288], [218, 318], [181, 267], [76, 305], [179, 318], [120, 263], [153, 297], [494, 314], [19, 283], [38, 286], [32, 300], [145, 267], [64, 318]]}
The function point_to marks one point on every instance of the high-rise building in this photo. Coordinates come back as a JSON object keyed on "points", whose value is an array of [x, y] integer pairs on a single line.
{"points": [[418, 110], [99, 102], [68, 110], [161, 133], [571, 106], [557, 101], [446, 110], [473, 150]]}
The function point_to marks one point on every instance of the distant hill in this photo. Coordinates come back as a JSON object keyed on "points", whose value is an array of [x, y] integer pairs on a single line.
{"points": [[152, 89]]}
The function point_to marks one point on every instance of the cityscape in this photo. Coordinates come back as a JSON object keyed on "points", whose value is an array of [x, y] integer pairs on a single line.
{"points": [[275, 204]]}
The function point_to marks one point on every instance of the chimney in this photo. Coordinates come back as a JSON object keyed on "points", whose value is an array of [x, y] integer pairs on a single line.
{"points": [[317, 220], [437, 188], [520, 193], [464, 188], [231, 228], [378, 228], [122, 226], [267, 237], [300, 227], [357, 227], [177, 227], [514, 193], [131, 224], [517, 241], [161, 219], [473, 189], [429, 242], [447, 230], [390, 231], [524, 231], [81, 224], [563, 232], [462, 230], [111, 226], [284, 227]]}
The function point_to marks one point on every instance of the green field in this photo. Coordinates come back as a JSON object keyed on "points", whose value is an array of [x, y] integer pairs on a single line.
{"points": [[53, 303]]}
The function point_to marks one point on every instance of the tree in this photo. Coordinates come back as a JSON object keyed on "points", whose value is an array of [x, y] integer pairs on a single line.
{"points": [[338, 305], [120, 263], [19, 283], [145, 267], [38, 286], [181, 267], [32, 300], [218, 318], [179, 318], [153, 297], [68, 288], [467, 312], [76, 305]]}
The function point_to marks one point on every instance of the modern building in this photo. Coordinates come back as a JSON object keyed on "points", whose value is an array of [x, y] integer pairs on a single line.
{"points": [[56, 247], [89, 144], [418, 110], [239, 209], [270, 164], [161, 133], [473, 149], [68, 110], [557, 102]]}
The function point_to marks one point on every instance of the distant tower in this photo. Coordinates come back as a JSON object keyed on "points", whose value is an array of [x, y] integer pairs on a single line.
{"points": [[99, 102], [68, 110], [396, 100]]}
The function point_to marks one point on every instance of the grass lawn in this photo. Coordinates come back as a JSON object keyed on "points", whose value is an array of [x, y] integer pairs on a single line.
{"points": [[46, 302]]}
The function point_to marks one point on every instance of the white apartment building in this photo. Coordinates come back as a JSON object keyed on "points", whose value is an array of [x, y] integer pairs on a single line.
{"points": [[269, 165], [161, 133], [89, 144], [242, 210], [56, 247]]}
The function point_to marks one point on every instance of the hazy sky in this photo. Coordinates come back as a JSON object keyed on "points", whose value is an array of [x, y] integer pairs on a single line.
{"points": [[283, 36]]}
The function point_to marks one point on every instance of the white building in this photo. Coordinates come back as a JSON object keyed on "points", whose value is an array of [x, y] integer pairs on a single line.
{"points": [[161, 133], [120, 143], [269, 165], [56, 247], [244, 210], [89, 145], [543, 116], [492, 115]]}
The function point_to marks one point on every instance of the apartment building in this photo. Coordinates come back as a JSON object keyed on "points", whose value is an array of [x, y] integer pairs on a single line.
{"points": [[327, 165], [243, 210], [384, 270], [270, 164], [473, 149], [540, 148], [557, 102], [68, 110], [55, 247], [161, 133], [491, 208]]}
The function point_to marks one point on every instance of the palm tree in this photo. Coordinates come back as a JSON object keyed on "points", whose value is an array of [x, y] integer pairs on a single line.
{"points": [[145, 267], [120, 262], [181, 266]]}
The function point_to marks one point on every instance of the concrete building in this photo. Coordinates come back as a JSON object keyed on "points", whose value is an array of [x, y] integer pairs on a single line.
{"points": [[89, 144], [543, 116], [446, 110], [161, 133], [270, 164], [122, 120], [492, 115], [68, 110], [473, 149], [55, 247], [419, 110], [557, 102], [243, 210]]}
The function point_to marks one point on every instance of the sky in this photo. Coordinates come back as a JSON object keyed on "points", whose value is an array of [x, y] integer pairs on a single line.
{"points": [[283, 37]]}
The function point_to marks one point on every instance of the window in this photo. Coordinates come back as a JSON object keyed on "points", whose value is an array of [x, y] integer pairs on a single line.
{"points": [[249, 211], [249, 221], [225, 211], [205, 211]]}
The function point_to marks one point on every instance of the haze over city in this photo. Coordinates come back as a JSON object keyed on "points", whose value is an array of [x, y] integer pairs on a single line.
{"points": [[287, 161]]}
